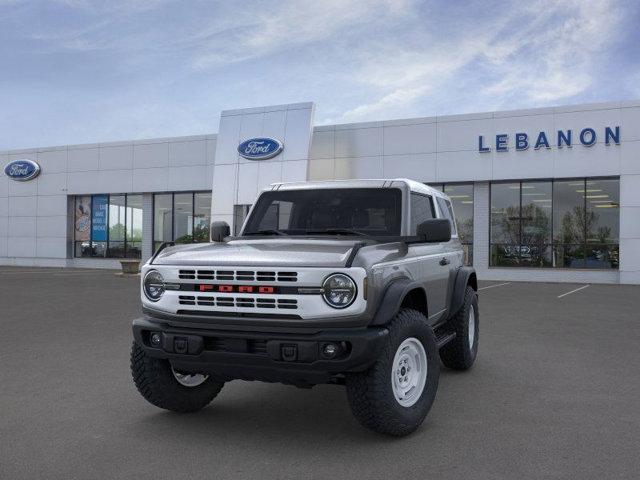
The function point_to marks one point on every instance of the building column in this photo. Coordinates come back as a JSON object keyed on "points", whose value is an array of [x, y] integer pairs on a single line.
{"points": [[629, 229], [481, 217], [147, 226]]}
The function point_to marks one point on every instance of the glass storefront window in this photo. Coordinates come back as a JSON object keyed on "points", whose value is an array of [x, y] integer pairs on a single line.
{"points": [[535, 242], [108, 226], [505, 224], [182, 217], [82, 226], [201, 217], [162, 219], [117, 220], [562, 224], [568, 223], [134, 226], [603, 223]]}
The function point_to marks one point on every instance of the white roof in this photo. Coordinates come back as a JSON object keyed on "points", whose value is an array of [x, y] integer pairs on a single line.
{"points": [[359, 183]]}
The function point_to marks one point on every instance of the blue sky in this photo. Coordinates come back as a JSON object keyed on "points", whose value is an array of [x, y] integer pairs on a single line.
{"points": [[76, 71]]}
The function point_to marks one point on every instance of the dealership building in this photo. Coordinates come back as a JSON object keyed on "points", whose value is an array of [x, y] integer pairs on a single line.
{"points": [[548, 194]]}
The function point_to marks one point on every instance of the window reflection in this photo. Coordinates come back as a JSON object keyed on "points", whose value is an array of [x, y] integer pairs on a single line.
{"points": [[162, 219], [564, 224], [108, 226], [183, 217], [535, 217], [201, 217], [134, 226]]}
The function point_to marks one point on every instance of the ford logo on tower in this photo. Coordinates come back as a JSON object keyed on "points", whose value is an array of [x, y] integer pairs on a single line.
{"points": [[22, 170], [260, 148]]}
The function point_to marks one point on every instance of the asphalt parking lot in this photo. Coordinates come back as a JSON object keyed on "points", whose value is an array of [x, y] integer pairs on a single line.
{"points": [[554, 394]]}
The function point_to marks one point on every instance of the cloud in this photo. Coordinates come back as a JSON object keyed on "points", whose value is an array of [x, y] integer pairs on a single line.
{"points": [[289, 23], [125, 69], [541, 53], [555, 63]]}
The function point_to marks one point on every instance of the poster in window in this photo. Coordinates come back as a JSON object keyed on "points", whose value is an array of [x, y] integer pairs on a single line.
{"points": [[83, 219], [99, 218]]}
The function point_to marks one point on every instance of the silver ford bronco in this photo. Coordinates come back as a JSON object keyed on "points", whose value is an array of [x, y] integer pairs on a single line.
{"points": [[358, 283]]}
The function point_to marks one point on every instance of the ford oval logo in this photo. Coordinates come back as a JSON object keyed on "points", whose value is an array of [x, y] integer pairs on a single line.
{"points": [[22, 170], [260, 148]]}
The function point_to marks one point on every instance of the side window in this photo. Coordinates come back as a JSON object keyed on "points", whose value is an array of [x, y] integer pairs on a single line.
{"points": [[421, 210], [447, 211]]}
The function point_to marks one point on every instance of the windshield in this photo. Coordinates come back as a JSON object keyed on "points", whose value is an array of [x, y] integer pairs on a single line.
{"points": [[336, 211]]}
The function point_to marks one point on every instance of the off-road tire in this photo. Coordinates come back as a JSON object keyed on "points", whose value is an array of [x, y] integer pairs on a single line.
{"points": [[458, 354], [370, 393], [156, 383]]}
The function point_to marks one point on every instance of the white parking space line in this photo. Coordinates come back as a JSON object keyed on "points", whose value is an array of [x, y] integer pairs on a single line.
{"points": [[573, 291], [494, 285]]}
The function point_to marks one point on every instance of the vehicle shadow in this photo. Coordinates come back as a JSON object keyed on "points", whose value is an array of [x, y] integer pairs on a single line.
{"points": [[265, 411]]}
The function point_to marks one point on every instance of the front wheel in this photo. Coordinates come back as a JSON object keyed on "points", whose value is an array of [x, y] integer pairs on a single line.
{"points": [[394, 396], [164, 387]]}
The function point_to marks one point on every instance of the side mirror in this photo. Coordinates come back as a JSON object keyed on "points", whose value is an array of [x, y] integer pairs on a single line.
{"points": [[219, 230], [435, 230]]}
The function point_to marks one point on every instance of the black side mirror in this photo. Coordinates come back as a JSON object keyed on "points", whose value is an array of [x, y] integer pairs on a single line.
{"points": [[435, 230], [219, 230]]}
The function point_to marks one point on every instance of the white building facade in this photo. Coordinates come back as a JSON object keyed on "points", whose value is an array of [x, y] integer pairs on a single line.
{"points": [[549, 194]]}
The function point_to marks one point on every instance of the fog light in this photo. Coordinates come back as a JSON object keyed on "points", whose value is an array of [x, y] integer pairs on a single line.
{"points": [[330, 350], [156, 339]]}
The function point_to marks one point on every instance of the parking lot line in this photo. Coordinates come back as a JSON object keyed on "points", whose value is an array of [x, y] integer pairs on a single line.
{"points": [[494, 285], [573, 291]]}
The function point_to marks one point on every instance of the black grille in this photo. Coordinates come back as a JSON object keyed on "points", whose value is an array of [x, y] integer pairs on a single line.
{"points": [[238, 302], [238, 275], [237, 345]]}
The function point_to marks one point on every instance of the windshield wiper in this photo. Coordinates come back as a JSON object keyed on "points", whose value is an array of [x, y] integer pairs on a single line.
{"points": [[336, 231], [267, 232]]}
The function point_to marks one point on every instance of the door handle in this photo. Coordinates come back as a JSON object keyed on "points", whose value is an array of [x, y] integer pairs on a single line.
{"points": [[444, 261]]}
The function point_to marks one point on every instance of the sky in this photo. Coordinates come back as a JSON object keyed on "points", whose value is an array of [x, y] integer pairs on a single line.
{"points": [[80, 71]]}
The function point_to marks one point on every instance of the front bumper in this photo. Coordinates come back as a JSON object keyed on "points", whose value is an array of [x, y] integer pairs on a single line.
{"points": [[293, 356]]}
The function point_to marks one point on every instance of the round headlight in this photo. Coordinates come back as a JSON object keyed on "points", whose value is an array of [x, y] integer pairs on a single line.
{"points": [[153, 285], [338, 290]]}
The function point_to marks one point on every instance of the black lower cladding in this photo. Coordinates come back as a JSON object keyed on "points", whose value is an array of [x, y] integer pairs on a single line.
{"points": [[286, 357]]}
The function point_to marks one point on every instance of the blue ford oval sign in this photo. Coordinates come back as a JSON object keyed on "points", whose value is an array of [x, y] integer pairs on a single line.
{"points": [[260, 148], [22, 170]]}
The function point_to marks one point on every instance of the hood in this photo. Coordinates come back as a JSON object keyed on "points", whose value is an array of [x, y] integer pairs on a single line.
{"points": [[271, 252]]}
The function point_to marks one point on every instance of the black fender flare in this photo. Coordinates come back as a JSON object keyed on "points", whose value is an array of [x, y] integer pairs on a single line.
{"points": [[464, 276], [392, 299]]}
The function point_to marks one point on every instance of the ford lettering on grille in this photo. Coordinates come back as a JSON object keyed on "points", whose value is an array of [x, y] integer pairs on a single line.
{"points": [[237, 289]]}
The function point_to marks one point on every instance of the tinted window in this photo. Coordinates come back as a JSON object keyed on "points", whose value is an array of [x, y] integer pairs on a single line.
{"points": [[461, 196], [421, 210], [447, 211], [373, 211]]}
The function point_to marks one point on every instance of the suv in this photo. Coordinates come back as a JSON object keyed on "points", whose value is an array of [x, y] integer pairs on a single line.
{"points": [[358, 283]]}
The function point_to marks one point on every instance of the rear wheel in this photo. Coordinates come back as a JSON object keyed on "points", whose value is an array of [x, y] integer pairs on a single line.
{"points": [[461, 352], [394, 396], [164, 387]]}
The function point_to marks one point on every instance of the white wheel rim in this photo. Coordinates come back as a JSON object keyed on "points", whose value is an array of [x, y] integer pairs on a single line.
{"points": [[188, 379], [409, 373], [472, 327]]}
